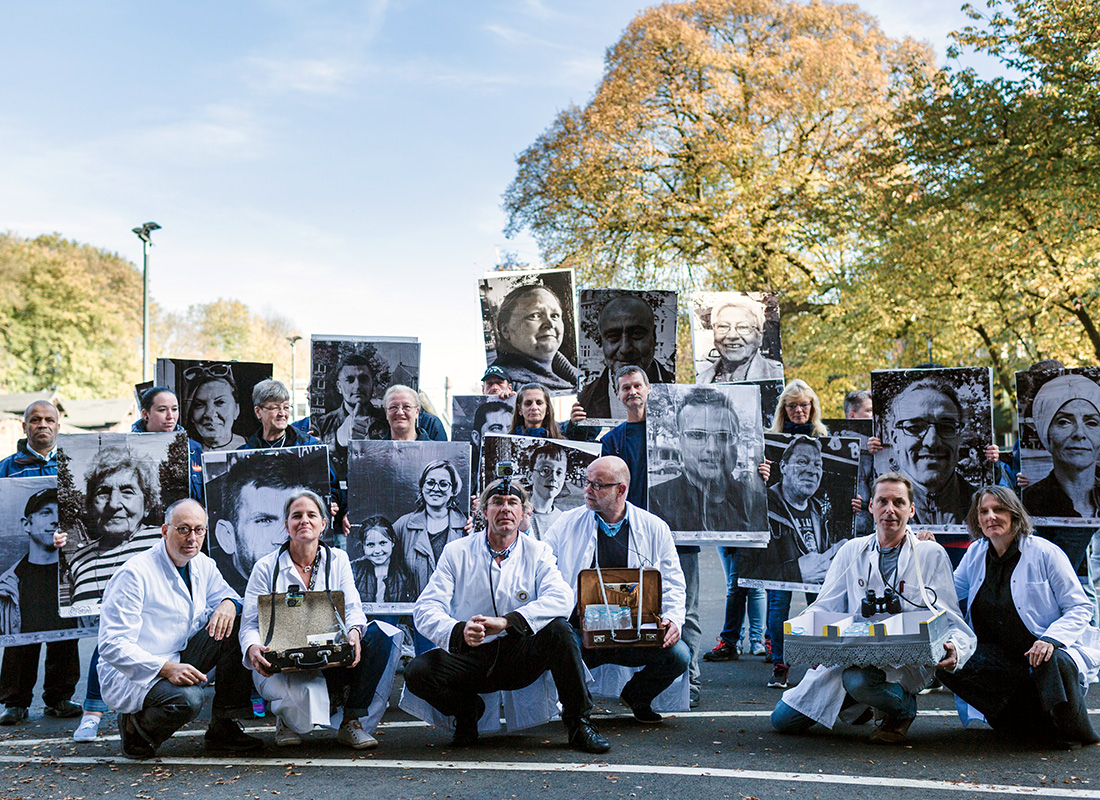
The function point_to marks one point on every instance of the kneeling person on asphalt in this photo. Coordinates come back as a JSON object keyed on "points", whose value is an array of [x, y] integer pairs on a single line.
{"points": [[168, 617], [887, 558], [496, 606]]}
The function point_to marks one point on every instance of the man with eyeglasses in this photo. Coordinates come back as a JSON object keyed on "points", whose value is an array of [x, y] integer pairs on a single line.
{"points": [[613, 532], [706, 496], [168, 618], [738, 326], [924, 426]]}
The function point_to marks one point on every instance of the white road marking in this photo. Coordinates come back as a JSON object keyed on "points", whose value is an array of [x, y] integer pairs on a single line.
{"points": [[597, 768], [397, 724]]}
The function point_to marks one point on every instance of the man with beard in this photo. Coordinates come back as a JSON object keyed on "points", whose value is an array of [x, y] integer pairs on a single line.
{"points": [[628, 335], [255, 490]]}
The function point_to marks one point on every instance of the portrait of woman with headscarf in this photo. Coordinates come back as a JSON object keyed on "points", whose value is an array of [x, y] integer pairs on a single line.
{"points": [[1066, 415]]}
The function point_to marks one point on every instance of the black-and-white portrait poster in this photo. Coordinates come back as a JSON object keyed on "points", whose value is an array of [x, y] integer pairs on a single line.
{"points": [[810, 493], [704, 445], [769, 398], [530, 324], [474, 416], [112, 489], [551, 470], [934, 425], [28, 566], [735, 337], [215, 398], [246, 491], [861, 429], [406, 501], [619, 328], [1059, 416], [350, 374]]}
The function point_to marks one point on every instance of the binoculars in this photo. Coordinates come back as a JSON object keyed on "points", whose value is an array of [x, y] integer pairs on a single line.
{"points": [[889, 603]]}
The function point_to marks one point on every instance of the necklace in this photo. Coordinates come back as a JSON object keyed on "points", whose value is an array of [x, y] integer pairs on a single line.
{"points": [[307, 570]]}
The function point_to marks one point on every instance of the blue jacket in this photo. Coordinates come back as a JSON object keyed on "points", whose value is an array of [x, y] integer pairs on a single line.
{"points": [[194, 452], [25, 463]]}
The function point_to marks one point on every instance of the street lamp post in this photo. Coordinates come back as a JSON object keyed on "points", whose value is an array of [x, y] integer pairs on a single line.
{"points": [[144, 233], [293, 373]]}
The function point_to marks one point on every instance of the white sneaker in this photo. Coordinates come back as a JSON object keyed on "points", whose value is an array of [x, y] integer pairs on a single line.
{"points": [[352, 734], [284, 736], [88, 728]]}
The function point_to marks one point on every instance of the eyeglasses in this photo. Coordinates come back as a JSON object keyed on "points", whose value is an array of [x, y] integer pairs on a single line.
{"points": [[917, 428], [209, 371], [741, 329], [796, 406], [186, 530], [405, 407], [431, 483], [700, 436], [596, 485], [273, 409]]}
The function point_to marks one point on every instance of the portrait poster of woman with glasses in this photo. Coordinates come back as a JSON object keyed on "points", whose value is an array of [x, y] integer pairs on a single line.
{"points": [[215, 398], [406, 502], [735, 336], [704, 446], [551, 470], [934, 425]]}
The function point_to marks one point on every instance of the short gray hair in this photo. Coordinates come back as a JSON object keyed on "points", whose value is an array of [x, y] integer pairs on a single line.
{"points": [[298, 494], [629, 368], [269, 391]]}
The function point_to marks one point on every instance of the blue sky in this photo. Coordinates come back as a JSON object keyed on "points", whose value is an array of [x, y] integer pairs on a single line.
{"points": [[339, 163]]}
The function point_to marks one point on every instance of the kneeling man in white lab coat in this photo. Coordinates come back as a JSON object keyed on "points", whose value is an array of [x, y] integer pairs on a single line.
{"points": [[891, 557], [168, 617], [496, 606]]}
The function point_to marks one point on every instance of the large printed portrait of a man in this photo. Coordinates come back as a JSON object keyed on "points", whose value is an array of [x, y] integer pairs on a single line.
{"points": [[246, 491], [350, 374], [112, 492], [619, 328], [934, 425], [704, 445]]}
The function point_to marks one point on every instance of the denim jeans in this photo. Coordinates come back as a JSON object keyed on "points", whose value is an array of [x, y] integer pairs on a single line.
{"points": [[93, 700], [866, 685], [738, 598], [779, 611]]}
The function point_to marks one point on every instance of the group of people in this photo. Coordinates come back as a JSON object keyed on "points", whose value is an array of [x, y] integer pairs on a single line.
{"points": [[499, 608]]}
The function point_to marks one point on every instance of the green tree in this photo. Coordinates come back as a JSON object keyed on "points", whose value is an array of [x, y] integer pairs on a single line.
{"points": [[987, 233], [70, 315]]}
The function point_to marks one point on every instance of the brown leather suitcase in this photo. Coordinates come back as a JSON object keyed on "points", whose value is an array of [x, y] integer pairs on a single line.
{"points": [[622, 587]]}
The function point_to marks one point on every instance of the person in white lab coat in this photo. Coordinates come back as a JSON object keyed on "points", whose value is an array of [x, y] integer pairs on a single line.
{"points": [[168, 617], [496, 607], [619, 534], [301, 699], [890, 557], [1037, 652]]}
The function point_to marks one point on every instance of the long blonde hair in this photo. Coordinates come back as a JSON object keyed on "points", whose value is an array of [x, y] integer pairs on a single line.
{"points": [[798, 391]]}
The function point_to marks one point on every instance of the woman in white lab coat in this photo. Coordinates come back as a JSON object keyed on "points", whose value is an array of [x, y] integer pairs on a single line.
{"points": [[301, 700], [1037, 651]]}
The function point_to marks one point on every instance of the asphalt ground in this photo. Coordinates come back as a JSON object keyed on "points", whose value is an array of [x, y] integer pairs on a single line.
{"points": [[725, 748]]}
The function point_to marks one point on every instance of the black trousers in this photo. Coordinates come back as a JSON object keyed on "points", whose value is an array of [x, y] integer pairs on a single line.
{"points": [[451, 682], [354, 688], [1021, 700], [168, 707], [19, 673]]}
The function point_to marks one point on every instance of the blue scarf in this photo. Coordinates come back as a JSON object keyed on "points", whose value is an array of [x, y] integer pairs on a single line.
{"points": [[805, 428], [539, 432]]}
